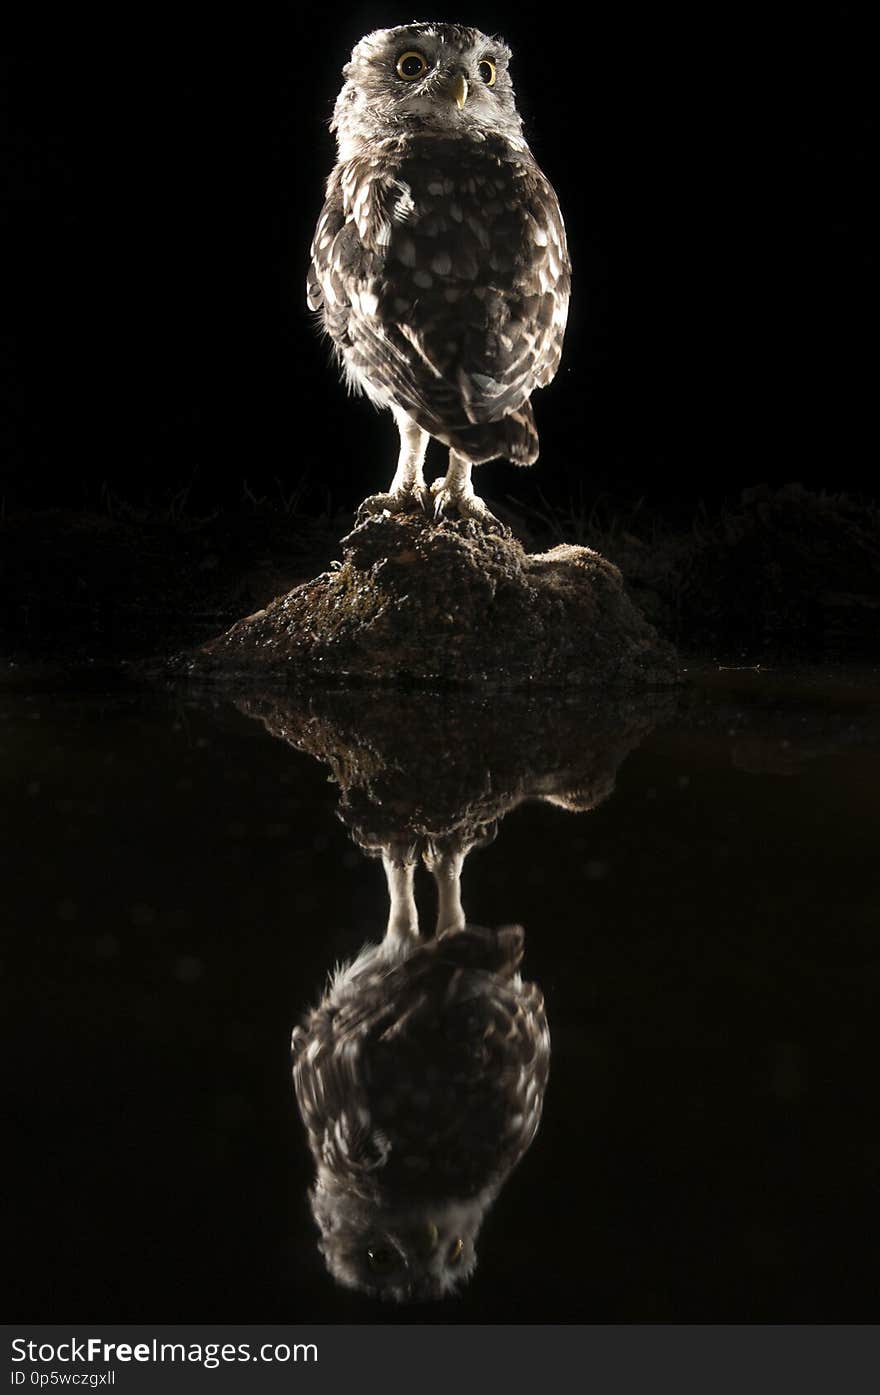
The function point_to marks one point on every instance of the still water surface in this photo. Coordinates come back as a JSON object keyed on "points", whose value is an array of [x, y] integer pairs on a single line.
{"points": [[697, 880]]}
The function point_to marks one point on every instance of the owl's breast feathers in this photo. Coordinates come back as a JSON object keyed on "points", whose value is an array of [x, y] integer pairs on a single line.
{"points": [[433, 1069], [442, 274]]}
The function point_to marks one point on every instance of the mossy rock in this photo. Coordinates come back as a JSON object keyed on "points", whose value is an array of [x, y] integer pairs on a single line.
{"points": [[453, 604]]}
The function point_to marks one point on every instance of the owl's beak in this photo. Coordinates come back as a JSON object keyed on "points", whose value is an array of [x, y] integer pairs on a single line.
{"points": [[458, 90]]}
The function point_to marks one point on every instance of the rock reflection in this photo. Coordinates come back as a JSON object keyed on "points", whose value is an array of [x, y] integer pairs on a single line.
{"points": [[420, 1076]]}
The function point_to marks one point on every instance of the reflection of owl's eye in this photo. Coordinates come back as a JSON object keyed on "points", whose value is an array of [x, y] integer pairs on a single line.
{"points": [[486, 69], [453, 1254], [411, 65], [381, 1259]]}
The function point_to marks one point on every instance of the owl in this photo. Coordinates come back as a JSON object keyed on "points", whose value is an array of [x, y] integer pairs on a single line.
{"points": [[420, 1079], [439, 265]]}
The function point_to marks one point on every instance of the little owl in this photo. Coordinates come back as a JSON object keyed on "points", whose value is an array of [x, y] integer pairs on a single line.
{"points": [[439, 263]]}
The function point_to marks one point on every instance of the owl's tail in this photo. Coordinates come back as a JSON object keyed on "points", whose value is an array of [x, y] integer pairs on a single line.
{"points": [[514, 438]]}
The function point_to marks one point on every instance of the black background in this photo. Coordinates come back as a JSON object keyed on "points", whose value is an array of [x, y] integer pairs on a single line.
{"points": [[165, 169]]}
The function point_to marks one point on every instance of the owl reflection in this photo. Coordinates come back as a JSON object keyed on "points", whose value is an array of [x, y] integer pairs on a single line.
{"points": [[420, 1078], [421, 1075]]}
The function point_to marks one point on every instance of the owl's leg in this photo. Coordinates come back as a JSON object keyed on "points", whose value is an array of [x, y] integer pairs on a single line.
{"points": [[403, 916], [408, 489], [454, 494], [445, 867]]}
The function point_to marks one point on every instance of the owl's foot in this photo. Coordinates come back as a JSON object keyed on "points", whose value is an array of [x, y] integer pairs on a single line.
{"points": [[462, 502], [407, 500]]}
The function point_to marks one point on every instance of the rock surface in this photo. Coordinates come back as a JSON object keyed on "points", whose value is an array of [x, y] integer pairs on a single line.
{"points": [[451, 604]]}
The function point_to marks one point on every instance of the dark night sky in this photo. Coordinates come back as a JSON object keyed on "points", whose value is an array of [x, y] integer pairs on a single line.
{"points": [[165, 170]]}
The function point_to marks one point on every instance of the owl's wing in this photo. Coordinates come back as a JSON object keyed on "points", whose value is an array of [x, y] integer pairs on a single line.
{"points": [[331, 1098], [444, 282], [329, 1055], [477, 279]]}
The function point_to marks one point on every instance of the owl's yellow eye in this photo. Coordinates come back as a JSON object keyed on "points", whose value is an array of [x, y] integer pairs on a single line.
{"points": [[411, 65], [454, 1253], [486, 69]]}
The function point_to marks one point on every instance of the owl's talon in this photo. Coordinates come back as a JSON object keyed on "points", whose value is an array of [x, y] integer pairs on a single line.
{"points": [[464, 504], [396, 501], [437, 505]]}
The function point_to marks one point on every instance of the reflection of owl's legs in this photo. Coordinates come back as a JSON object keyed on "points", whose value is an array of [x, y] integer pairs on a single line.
{"points": [[454, 494], [403, 917], [445, 867], [408, 489]]}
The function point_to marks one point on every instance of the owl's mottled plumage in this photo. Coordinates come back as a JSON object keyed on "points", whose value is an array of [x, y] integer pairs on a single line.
{"points": [[420, 1079], [439, 263]]}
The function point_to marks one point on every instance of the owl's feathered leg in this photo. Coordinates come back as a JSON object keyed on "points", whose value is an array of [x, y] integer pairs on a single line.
{"points": [[445, 866], [403, 916], [408, 489], [454, 494]]}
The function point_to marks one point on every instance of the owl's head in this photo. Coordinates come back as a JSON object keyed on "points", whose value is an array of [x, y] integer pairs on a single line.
{"points": [[403, 1253], [435, 79]]}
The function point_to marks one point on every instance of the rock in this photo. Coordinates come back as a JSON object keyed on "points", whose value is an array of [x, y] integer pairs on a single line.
{"points": [[450, 604]]}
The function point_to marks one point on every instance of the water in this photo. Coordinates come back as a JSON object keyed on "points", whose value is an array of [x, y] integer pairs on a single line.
{"points": [[697, 880]]}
